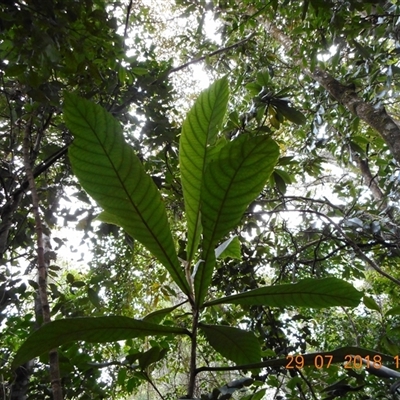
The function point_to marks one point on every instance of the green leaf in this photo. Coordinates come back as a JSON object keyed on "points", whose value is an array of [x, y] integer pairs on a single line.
{"points": [[313, 293], [284, 175], [229, 248], [94, 297], [254, 88], [388, 344], [151, 356], [89, 329], [370, 303], [199, 130], [231, 182], [364, 51], [15, 69], [113, 175], [235, 344], [156, 317], [139, 71], [263, 78], [289, 113], [393, 311]]}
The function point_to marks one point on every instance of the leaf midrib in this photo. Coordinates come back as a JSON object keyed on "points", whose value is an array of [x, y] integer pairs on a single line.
{"points": [[184, 283]]}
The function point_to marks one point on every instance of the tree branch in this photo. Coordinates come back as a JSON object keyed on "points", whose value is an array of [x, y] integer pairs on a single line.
{"points": [[376, 117], [213, 53]]}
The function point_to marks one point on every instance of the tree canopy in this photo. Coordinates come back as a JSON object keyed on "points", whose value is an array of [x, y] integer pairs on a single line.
{"points": [[240, 241]]}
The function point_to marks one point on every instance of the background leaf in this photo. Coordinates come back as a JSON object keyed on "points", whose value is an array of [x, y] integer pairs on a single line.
{"points": [[115, 178], [393, 311], [151, 356], [371, 303], [235, 344], [89, 329], [198, 131], [156, 317], [314, 293], [229, 248]]}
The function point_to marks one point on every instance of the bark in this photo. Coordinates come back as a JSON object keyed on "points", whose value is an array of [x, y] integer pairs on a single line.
{"points": [[371, 181], [376, 117], [43, 247], [8, 211], [19, 388], [7, 214]]}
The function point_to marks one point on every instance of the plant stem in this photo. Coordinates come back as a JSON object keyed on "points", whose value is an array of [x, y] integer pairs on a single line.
{"points": [[193, 353]]}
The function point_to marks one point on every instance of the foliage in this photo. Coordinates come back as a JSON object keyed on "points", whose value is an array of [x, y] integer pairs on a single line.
{"points": [[240, 225]]}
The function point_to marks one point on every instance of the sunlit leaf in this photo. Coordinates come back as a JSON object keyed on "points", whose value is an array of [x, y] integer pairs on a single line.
{"points": [[231, 183], [199, 131], [113, 175], [312, 293], [139, 70], [89, 329], [371, 303], [229, 248]]}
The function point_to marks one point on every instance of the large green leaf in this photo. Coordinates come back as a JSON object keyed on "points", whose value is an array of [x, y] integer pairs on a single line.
{"points": [[235, 344], [199, 131], [232, 181], [113, 175], [313, 293], [156, 317], [89, 329]]}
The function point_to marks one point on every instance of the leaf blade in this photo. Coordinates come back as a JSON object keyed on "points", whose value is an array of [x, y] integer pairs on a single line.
{"points": [[313, 293], [232, 181], [235, 344], [113, 175], [90, 329], [198, 131]]}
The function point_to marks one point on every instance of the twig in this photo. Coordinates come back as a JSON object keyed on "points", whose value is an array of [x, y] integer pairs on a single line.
{"points": [[128, 13], [202, 58], [355, 247]]}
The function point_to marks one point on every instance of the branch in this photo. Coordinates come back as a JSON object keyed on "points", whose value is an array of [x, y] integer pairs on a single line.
{"points": [[213, 53], [354, 245], [375, 117], [368, 178], [13, 202], [128, 13]]}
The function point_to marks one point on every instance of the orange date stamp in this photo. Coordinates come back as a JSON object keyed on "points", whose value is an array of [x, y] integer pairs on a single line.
{"points": [[352, 361]]}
